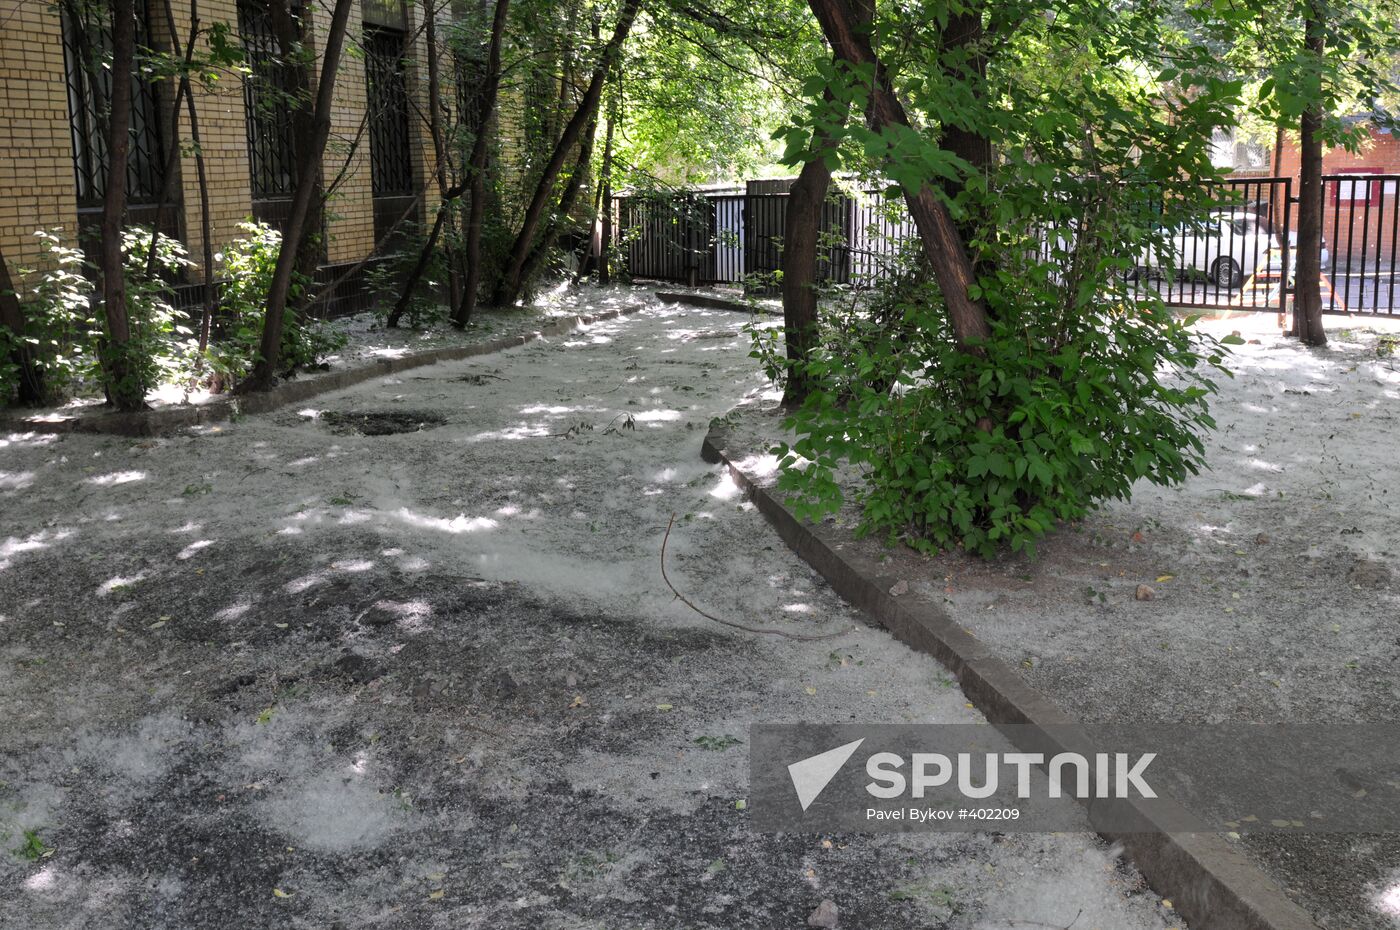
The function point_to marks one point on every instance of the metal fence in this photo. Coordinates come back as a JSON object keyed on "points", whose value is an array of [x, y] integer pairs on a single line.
{"points": [[1239, 253]]}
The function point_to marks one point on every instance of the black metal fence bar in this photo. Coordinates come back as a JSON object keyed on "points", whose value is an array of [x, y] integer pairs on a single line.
{"points": [[1238, 254]]}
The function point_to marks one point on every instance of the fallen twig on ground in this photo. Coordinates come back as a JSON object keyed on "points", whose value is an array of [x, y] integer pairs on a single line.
{"points": [[806, 638]]}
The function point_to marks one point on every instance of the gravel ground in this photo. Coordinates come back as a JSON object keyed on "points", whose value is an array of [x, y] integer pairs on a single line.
{"points": [[1273, 591], [406, 660]]}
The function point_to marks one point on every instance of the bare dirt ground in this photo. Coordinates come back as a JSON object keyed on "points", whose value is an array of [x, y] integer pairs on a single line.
{"points": [[1272, 576], [406, 660]]}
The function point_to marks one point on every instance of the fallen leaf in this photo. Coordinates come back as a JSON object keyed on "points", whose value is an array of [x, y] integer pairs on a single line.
{"points": [[663, 707], [279, 893], [1162, 578], [811, 691], [436, 895]]}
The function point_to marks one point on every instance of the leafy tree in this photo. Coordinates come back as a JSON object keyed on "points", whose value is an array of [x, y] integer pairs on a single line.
{"points": [[1009, 380]]}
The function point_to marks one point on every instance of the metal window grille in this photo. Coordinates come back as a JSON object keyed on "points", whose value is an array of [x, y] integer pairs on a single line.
{"points": [[87, 55], [391, 165], [470, 76], [269, 99]]}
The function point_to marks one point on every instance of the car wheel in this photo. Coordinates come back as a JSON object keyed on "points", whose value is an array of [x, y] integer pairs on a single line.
{"points": [[1226, 273]]}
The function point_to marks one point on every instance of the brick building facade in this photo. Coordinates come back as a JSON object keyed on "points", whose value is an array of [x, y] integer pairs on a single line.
{"points": [[48, 147], [1360, 218]]}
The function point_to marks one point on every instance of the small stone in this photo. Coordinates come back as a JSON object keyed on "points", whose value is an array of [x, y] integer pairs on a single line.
{"points": [[357, 668], [505, 684], [899, 587], [1144, 593], [1368, 573], [1262, 539], [825, 915], [377, 616]]}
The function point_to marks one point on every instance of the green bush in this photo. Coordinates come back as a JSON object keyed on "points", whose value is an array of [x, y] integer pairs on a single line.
{"points": [[55, 300], [161, 344], [247, 266], [386, 279], [956, 449]]}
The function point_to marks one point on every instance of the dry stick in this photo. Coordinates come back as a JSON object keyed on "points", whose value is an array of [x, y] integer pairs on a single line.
{"points": [[730, 623]]}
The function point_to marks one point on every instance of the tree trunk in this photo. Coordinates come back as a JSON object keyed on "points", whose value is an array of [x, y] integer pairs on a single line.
{"points": [[445, 196], [943, 244], [1307, 300], [307, 189], [172, 153], [307, 245], [476, 167], [31, 376], [508, 287], [605, 234], [211, 297], [962, 39], [801, 233], [566, 204], [123, 382]]}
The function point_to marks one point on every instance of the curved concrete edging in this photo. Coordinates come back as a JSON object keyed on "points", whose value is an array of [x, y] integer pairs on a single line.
{"points": [[713, 303], [1210, 883], [167, 419]]}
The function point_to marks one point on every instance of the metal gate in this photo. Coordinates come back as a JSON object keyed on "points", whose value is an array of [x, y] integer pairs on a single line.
{"points": [[1238, 254]]}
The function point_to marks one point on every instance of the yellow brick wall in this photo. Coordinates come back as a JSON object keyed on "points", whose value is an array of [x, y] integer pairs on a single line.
{"points": [[223, 137], [36, 149], [36, 167], [350, 211], [424, 157]]}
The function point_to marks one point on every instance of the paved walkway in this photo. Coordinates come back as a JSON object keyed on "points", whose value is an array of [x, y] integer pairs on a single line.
{"points": [[286, 674]]}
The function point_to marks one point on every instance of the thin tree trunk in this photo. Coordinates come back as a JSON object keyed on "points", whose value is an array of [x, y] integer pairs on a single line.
{"points": [[293, 235], [943, 244], [1307, 301], [123, 382], [476, 167], [567, 198], [307, 245], [508, 287], [606, 226], [445, 195], [31, 376], [801, 232], [172, 154], [440, 152], [211, 298]]}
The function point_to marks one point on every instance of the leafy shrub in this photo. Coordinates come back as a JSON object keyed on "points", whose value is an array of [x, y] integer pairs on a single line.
{"points": [[55, 301], [980, 451], [247, 266], [386, 279], [160, 346]]}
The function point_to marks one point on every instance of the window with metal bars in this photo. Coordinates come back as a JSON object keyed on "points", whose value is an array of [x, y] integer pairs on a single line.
{"points": [[269, 97], [391, 164], [470, 76], [87, 57]]}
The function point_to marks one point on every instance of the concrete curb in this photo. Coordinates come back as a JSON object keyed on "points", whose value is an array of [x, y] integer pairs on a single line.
{"points": [[168, 419], [1209, 883], [714, 303]]}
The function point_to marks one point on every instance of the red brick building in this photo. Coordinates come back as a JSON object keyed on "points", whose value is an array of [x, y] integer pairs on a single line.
{"points": [[1359, 217]]}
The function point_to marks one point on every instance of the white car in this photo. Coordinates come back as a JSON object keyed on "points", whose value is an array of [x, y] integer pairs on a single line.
{"points": [[1225, 247]]}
